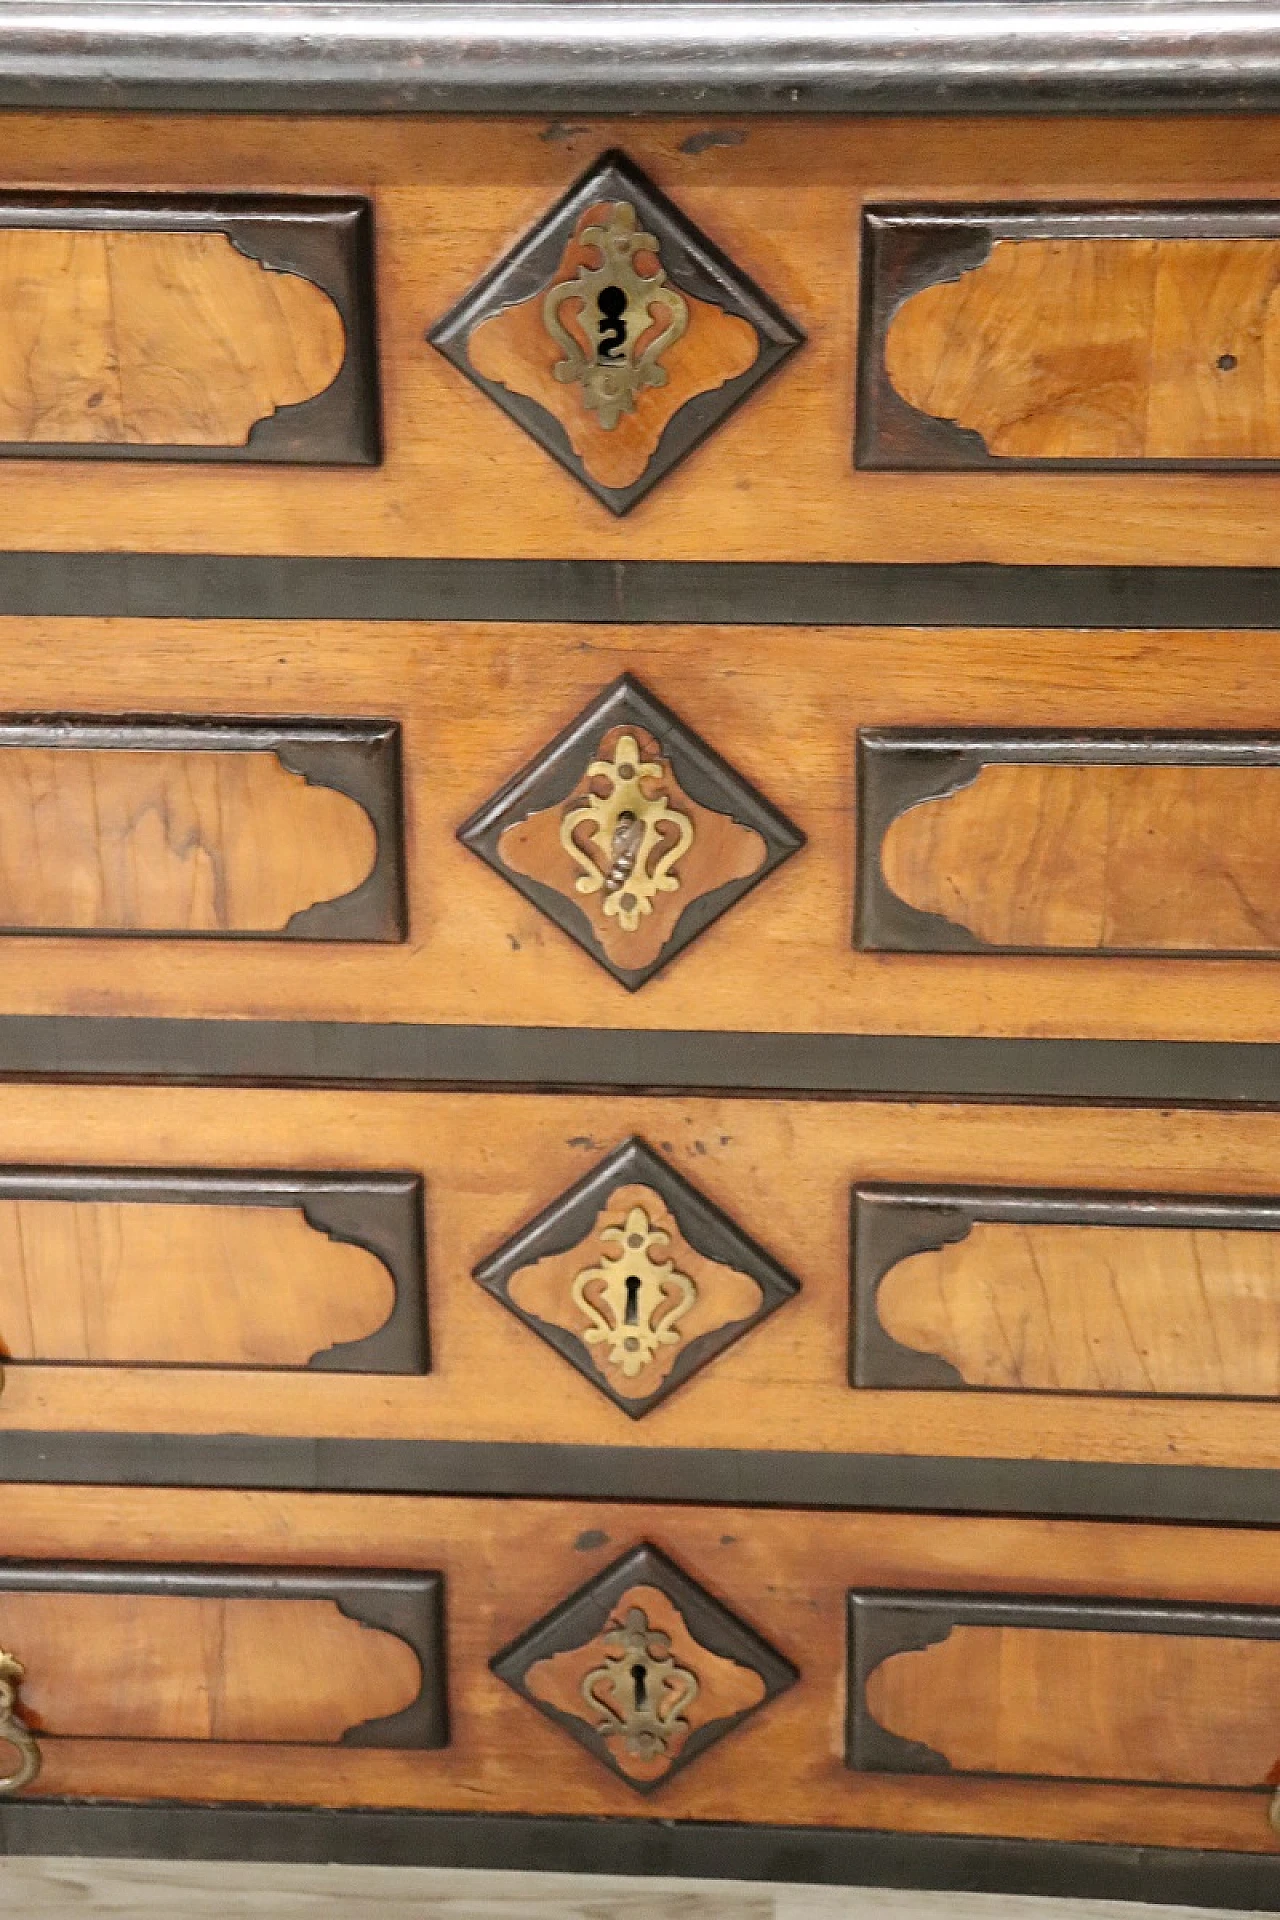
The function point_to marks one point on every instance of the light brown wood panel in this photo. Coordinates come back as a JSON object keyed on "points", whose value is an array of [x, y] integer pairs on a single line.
{"points": [[108, 1281], [451, 196], [1095, 1309], [153, 339], [780, 705], [1118, 349], [156, 1667], [179, 842], [786, 1575], [782, 1172], [1099, 856], [1089, 1705]]}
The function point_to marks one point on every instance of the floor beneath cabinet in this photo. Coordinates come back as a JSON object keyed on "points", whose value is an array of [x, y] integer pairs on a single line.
{"points": [[147, 1890]]}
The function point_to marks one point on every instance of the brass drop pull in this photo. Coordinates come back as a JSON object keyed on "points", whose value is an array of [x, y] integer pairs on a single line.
{"points": [[1274, 1811], [12, 1731]]}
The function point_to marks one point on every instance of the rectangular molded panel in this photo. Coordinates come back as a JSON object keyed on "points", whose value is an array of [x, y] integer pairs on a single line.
{"points": [[1048, 1689], [1048, 1291], [106, 1267], [228, 1655], [213, 829], [184, 327], [1115, 337], [1090, 843]]}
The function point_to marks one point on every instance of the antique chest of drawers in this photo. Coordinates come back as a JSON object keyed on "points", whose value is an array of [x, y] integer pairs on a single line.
{"points": [[640, 939]]}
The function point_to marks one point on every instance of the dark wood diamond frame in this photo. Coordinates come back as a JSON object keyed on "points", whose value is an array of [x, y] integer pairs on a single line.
{"points": [[407, 1604], [883, 1623], [381, 1212], [692, 262], [358, 758], [567, 1222], [908, 248], [554, 774], [899, 768], [891, 1223], [584, 1616], [327, 241]]}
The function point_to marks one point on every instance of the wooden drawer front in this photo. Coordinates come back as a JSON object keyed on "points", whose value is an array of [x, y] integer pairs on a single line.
{"points": [[172, 328], [242, 1656], [193, 828], [1066, 1292], [1034, 1689], [1070, 337], [102, 1268], [1091, 843]]}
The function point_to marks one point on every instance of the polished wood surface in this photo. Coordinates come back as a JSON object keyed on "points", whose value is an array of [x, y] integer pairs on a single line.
{"points": [[508, 1563], [115, 840], [1091, 1309], [1118, 349], [780, 1172], [775, 482], [781, 959], [1039, 1701], [1099, 857], [153, 339], [151, 1667], [108, 1281]]}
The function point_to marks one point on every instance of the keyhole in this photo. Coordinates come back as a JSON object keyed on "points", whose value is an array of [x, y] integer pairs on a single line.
{"points": [[611, 302], [631, 1318], [639, 1680]]}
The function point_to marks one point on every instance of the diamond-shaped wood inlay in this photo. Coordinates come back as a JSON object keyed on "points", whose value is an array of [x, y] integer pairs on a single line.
{"points": [[644, 1668], [630, 833], [636, 1278], [616, 333]]}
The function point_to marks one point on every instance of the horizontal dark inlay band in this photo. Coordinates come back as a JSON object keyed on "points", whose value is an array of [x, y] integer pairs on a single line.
{"points": [[822, 1855], [853, 1066], [713, 1476], [181, 586]]}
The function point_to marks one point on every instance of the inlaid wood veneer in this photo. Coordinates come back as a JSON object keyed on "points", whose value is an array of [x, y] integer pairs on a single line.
{"points": [[1086, 843], [1069, 336], [1090, 1293], [171, 327]]}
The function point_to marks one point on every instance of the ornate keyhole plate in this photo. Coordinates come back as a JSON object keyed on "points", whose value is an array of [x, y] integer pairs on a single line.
{"points": [[644, 1668], [636, 1278], [630, 833], [616, 333]]}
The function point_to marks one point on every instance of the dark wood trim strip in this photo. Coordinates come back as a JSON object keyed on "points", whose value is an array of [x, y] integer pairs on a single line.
{"points": [[688, 1476], [199, 586], [825, 1856], [846, 56], [840, 1066]]}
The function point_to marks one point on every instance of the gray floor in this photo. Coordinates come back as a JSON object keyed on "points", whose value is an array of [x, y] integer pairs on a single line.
{"points": [[154, 1890]]}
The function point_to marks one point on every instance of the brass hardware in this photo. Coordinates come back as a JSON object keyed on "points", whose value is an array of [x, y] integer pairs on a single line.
{"points": [[639, 1691], [638, 840], [615, 312], [12, 1731], [632, 1300], [1273, 1811]]}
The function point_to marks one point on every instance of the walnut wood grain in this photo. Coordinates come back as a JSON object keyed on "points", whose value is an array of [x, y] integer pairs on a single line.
{"points": [[169, 842], [1115, 349], [108, 1282], [153, 339], [150, 1667], [1111, 1706], [508, 1563], [1122, 857], [1092, 1309]]}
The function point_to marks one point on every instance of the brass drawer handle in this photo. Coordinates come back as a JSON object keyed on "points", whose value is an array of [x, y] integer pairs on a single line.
{"points": [[12, 1731]]}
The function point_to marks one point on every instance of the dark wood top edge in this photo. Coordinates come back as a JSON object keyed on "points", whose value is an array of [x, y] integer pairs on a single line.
{"points": [[713, 1476], [177, 586], [845, 1066], [624, 1845], [643, 56]]}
